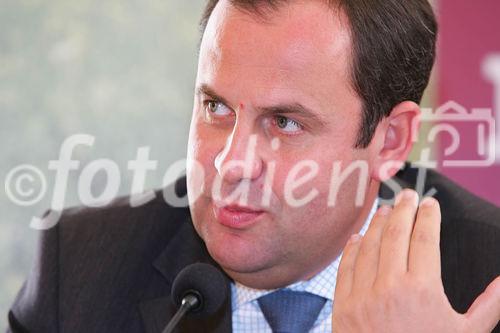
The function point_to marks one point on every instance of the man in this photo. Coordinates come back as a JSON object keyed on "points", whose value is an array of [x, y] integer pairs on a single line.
{"points": [[287, 94]]}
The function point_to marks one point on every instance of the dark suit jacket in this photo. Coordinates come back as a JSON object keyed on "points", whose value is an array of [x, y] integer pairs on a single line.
{"points": [[111, 269]]}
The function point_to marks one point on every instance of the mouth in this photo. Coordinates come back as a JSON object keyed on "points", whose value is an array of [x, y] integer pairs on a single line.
{"points": [[237, 217]]}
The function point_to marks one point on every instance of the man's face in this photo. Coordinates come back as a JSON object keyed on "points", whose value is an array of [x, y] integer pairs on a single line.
{"points": [[285, 84]]}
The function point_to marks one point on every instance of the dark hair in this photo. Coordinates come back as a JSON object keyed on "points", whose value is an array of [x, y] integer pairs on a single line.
{"points": [[394, 46]]}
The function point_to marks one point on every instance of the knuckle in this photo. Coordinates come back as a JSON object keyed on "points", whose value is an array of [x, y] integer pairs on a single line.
{"points": [[367, 247], [389, 294], [423, 237], [394, 231]]}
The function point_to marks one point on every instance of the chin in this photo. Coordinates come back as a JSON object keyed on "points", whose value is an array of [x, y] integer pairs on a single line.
{"points": [[236, 254]]}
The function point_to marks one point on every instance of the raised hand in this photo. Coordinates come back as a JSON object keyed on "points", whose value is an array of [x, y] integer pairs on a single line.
{"points": [[390, 280]]}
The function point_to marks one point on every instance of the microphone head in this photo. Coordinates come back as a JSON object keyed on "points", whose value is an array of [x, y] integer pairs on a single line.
{"points": [[202, 280]]}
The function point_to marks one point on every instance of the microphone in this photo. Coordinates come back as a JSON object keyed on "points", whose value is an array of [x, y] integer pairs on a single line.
{"points": [[199, 289]]}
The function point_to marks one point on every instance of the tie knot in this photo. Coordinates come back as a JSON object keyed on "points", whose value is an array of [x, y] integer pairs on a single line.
{"points": [[289, 311]]}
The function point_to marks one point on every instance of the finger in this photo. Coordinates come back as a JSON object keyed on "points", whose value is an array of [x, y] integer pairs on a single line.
{"points": [[345, 273], [395, 242], [366, 266], [424, 260], [484, 313]]}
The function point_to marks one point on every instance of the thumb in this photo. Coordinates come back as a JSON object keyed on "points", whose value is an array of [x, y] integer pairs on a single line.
{"points": [[484, 314]]}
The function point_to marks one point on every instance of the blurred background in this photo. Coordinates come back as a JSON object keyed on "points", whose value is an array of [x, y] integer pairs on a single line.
{"points": [[123, 71]]}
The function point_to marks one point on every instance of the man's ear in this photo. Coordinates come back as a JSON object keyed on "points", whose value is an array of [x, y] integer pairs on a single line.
{"points": [[393, 140]]}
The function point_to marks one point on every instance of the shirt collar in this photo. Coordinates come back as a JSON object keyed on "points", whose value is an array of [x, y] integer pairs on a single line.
{"points": [[322, 284]]}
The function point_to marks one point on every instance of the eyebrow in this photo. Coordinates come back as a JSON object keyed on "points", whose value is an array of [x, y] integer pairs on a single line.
{"points": [[279, 109]]}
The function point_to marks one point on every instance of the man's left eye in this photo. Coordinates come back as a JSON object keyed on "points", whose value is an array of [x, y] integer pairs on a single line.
{"points": [[287, 125]]}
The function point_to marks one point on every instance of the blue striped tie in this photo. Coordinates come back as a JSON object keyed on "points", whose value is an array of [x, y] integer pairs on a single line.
{"points": [[289, 311]]}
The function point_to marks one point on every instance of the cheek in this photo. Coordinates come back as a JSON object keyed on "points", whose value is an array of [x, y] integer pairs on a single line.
{"points": [[203, 145], [316, 183], [199, 167], [342, 203], [314, 226]]}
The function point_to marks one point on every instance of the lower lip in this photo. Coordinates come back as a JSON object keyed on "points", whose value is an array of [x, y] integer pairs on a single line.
{"points": [[236, 219]]}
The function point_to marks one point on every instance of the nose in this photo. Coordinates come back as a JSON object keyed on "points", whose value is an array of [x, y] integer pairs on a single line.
{"points": [[239, 158]]}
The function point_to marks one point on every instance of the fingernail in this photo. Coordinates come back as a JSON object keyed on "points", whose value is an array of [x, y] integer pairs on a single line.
{"points": [[407, 195], [428, 202]]}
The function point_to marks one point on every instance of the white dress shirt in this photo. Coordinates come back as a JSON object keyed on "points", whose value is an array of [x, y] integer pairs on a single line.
{"points": [[247, 316]]}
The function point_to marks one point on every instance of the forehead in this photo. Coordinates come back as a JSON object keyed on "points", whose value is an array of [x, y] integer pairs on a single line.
{"points": [[303, 46], [295, 33]]}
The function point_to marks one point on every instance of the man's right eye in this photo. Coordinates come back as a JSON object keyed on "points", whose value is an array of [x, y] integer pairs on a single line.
{"points": [[216, 108]]}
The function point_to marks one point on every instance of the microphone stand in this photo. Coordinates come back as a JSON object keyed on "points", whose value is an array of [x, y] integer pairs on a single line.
{"points": [[189, 302]]}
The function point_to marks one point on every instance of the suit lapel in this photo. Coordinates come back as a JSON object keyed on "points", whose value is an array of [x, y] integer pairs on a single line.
{"points": [[184, 249]]}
